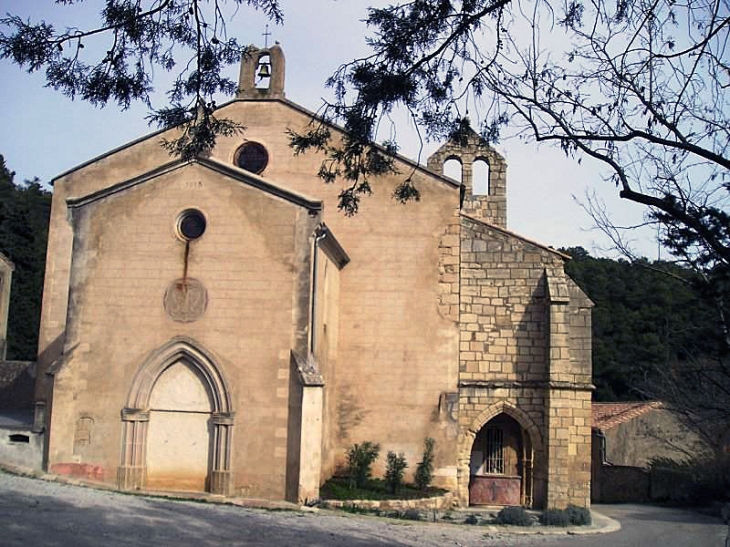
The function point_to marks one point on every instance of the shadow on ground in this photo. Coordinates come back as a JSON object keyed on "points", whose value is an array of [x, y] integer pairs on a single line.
{"points": [[46, 521]]}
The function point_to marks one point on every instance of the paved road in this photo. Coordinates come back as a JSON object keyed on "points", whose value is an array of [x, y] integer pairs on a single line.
{"points": [[651, 526], [35, 513]]}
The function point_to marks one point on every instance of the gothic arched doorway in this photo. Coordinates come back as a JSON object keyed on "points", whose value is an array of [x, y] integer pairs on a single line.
{"points": [[177, 424], [500, 466], [178, 434]]}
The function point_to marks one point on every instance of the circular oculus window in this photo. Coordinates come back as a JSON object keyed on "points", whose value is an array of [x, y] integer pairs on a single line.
{"points": [[253, 157], [191, 224]]}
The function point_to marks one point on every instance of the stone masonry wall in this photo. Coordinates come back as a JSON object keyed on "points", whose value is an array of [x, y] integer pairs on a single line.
{"points": [[569, 405], [491, 207], [502, 358], [511, 336], [126, 256], [502, 319]]}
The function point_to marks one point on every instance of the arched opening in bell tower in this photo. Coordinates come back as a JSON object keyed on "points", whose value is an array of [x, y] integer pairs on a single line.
{"points": [[480, 178]]}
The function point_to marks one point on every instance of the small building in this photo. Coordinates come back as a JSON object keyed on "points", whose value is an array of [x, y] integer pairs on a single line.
{"points": [[638, 433], [19, 444], [630, 437], [217, 325]]}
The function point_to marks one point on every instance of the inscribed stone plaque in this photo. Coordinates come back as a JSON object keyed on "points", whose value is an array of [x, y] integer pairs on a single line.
{"points": [[82, 433], [185, 300]]}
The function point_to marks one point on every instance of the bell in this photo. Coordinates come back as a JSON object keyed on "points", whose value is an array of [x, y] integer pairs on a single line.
{"points": [[264, 71]]}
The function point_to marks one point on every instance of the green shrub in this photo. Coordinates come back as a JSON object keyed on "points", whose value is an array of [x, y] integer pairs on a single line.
{"points": [[471, 519], [360, 458], [579, 516], [555, 517], [516, 516], [699, 481], [408, 514], [411, 514], [338, 488], [395, 470], [424, 469]]}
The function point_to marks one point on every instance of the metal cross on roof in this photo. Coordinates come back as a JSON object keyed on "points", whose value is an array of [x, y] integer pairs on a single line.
{"points": [[266, 35]]}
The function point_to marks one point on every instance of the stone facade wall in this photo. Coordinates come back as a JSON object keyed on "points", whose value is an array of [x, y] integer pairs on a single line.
{"points": [[438, 323], [126, 256], [515, 354], [327, 325], [398, 332], [398, 350], [569, 403]]}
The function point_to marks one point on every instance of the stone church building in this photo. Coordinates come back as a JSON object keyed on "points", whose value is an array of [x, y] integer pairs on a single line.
{"points": [[218, 325]]}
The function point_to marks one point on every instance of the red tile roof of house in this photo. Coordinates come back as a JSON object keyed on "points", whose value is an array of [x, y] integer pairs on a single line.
{"points": [[608, 415]]}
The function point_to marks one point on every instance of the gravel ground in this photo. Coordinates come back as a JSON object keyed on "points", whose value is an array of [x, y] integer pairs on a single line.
{"points": [[39, 513]]}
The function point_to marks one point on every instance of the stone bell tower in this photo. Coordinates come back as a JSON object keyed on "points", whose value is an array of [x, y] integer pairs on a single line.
{"points": [[262, 73], [481, 199]]}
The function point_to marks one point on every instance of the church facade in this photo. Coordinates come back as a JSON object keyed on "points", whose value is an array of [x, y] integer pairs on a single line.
{"points": [[217, 325]]}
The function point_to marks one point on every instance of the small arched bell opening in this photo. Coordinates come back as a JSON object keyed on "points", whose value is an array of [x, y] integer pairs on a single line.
{"points": [[263, 72], [480, 178], [452, 169], [500, 468]]}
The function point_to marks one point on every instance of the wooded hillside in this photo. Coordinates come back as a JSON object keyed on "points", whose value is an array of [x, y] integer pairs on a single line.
{"points": [[647, 318]]}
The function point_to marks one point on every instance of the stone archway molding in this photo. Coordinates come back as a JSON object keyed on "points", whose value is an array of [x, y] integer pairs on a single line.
{"points": [[185, 349], [468, 435], [132, 471], [492, 411]]}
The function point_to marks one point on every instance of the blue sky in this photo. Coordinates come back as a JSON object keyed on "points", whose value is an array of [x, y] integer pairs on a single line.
{"points": [[44, 134]]}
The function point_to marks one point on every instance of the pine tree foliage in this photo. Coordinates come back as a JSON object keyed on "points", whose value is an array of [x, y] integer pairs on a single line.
{"points": [[189, 37], [24, 213], [656, 337], [640, 87]]}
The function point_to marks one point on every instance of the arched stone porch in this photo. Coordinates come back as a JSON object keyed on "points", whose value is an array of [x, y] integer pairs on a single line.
{"points": [[533, 444]]}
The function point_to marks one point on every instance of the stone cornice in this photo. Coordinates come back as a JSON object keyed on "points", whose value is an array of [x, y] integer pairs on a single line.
{"points": [[312, 205], [526, 384]]}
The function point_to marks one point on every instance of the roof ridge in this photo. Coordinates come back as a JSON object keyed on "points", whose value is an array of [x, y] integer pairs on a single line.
{"points": [[510, 233], [622, 412]]}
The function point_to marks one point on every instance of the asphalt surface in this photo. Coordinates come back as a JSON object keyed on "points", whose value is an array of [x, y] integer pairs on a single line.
{"points": [[36, 513]]}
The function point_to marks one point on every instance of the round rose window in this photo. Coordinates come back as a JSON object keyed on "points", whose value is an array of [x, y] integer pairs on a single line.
{"points": [[252, 157], [191, 224]]}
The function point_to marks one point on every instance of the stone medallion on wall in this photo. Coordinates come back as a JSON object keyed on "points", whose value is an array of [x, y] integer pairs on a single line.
{"points": [[186, 300]]}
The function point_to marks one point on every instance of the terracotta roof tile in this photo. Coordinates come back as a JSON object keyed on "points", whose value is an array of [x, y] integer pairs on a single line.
{"points": [[608, 415]]}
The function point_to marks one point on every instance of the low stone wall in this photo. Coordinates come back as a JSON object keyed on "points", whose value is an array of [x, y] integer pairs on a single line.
{"points": [[669, 484], [444, 502], [21, 447], [624, 484]]}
